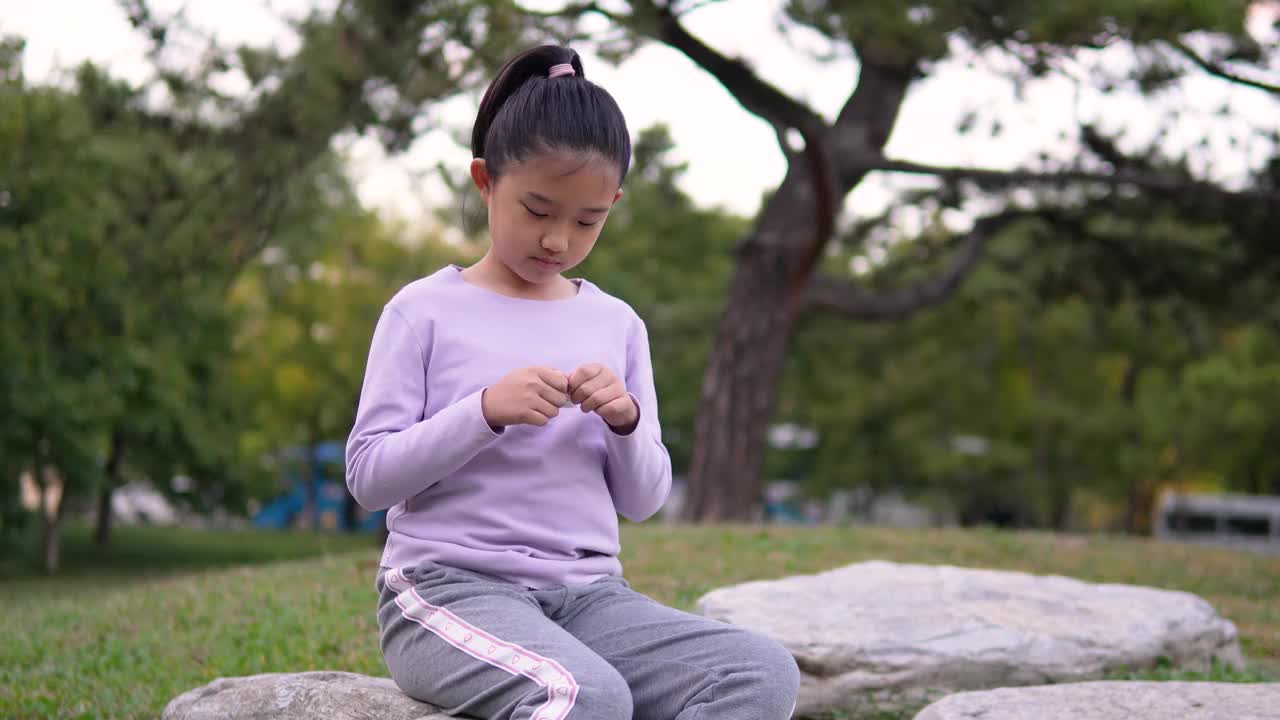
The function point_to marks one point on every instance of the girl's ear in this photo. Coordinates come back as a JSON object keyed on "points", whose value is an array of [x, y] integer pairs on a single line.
{"points": [[618, 196], [480, 176]]}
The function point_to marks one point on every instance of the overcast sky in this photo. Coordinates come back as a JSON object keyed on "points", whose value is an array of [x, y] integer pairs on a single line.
{"points": [[733, 158]]}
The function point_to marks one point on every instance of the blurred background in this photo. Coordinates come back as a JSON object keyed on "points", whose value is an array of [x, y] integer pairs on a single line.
{"points": [[919, 264]]}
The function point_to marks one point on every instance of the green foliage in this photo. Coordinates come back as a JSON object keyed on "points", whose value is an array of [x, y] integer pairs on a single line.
{"points": [[1088, 388], [1227, 403], [62, 296], [123, 224], [306, 313], [117, 251], [903, 34]]}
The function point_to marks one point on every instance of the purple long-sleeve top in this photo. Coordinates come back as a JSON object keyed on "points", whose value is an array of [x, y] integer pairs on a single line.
{"points": [[537, 506]]}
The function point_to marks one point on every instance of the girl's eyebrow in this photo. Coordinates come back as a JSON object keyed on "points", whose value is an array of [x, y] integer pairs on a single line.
{"points": [[553, 203]]}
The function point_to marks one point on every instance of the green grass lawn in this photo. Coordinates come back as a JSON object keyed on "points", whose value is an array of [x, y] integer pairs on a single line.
{"points": [[108, 640], [141, 553]]}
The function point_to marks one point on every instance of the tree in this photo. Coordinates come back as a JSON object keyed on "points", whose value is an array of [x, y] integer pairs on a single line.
{"points": [[120, 359], [115, 332], [1129, 353], [775, 278], [64, 302]]}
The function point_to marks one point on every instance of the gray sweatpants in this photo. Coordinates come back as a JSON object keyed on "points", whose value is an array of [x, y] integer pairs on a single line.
{"points": [[478, 646]]}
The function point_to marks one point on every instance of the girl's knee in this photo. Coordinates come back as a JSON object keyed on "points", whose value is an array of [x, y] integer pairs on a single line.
{"points": [[414, 683], [768, 674], [778, 662], [602, 694], [595, 693]]}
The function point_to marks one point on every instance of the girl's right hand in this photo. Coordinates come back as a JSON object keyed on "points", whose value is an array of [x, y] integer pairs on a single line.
{"points": [[528, 396]]}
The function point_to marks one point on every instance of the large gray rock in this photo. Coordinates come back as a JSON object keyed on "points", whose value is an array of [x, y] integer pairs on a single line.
{"points": [[1113, 701], [299, 696], [887, 636]]}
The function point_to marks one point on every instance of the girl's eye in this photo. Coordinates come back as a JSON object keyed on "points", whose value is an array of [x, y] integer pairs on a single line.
{"points": [[589, 224], [533, 212]]}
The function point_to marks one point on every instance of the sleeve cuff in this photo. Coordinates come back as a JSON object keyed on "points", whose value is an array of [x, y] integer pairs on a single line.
{"points": [[477, 401], [639, 418]]}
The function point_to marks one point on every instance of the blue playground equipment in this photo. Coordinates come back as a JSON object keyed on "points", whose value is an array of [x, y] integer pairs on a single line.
{"points": [[785, 513], [783, 504], [330, 490]]}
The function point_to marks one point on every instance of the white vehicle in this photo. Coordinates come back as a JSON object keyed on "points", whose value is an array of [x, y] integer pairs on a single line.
{"points": [[1247, 522]]}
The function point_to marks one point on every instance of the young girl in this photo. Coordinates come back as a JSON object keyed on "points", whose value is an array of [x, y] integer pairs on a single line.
{"points": [[507, 418]]}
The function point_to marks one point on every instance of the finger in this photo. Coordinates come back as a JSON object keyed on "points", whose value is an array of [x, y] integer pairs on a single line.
{"points": [[602, 397], [544, 409], [619, 409], [592, 386], [554, 378], [553, 396], [583, 374]]}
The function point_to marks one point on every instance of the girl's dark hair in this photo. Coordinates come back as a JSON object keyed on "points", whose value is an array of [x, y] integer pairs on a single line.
{"points": [[525, 112]]}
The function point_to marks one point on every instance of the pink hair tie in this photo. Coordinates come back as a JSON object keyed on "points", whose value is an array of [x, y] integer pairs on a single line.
{"points": [[561, 69]]}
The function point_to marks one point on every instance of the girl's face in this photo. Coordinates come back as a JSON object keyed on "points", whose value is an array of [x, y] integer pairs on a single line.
{"points": [[545, 213]]}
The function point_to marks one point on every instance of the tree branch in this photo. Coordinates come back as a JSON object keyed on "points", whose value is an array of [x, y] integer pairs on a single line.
{"points": [[695, 5], [661, 21], [866, 121], [1122, 177], [1220, 71], [757, 96], [881, 305], [573, 11]]}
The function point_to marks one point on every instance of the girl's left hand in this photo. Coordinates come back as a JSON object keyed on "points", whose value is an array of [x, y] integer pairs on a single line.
{"points": [[595, 388]]}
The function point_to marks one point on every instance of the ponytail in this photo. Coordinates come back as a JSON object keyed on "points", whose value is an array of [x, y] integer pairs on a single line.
{"points": [[541, 101]]}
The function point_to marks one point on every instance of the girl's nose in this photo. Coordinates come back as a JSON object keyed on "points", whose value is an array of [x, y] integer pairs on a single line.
{"points": [[555, 242]]}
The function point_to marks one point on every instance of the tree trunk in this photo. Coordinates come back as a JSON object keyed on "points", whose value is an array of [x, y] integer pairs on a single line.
{"points": [[1136, 500], [53, 533], [775, 265], [1139, 501], [37, 475], [102, 526], [102, 530], [51, 517], [53, 542], [739, 390], [1051, 479], [1060, 487]]}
